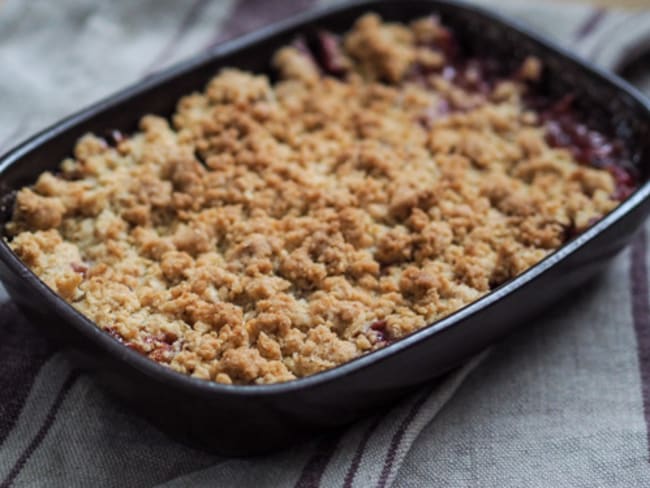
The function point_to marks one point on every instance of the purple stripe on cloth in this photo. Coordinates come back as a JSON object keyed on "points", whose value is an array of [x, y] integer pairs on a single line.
{"points": [[589, 25], [358, 455], [606, 35], [396, 441], [42, 432], [249, 15], [313, 471], [188, 21], [23, 350], [641, 318]]}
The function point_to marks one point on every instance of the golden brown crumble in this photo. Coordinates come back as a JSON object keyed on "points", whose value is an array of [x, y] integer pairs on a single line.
{"points": [[275, 231]]}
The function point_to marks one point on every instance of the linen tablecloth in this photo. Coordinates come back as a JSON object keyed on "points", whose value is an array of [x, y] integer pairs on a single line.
{"points": [[563, 402]]}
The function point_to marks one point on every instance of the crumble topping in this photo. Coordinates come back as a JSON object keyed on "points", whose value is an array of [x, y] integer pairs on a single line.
{"points": [[272, 231]]}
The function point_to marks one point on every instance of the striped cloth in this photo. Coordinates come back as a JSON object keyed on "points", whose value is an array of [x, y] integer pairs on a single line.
{"points": [[564, 402]]}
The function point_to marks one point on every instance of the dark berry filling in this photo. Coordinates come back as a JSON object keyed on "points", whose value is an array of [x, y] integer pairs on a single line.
{"points": [[379, 327], [479, 75]]}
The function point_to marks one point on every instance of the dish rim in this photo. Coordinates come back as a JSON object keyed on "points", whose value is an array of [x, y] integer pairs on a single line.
{"points": [[153, 369]]}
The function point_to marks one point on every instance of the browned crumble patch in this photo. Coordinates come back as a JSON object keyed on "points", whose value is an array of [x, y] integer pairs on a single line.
{"points": [[327, 216]]}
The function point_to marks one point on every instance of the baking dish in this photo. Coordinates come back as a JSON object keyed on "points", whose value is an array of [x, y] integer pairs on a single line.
{"points": [[247, 419]]}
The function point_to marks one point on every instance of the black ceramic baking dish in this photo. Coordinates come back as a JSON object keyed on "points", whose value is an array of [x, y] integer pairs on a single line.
{"points": [[251, 419]]}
